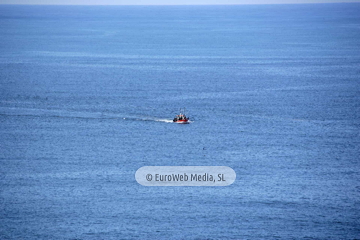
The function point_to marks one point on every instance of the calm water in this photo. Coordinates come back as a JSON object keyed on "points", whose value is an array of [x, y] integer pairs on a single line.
{"points": [[87, 95]]}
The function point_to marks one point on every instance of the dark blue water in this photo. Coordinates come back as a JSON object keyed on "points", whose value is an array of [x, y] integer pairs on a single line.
{"points": [[87, 95]]}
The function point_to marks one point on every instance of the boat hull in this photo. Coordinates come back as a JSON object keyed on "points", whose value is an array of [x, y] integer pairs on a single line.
{"points": [[182, 121]]}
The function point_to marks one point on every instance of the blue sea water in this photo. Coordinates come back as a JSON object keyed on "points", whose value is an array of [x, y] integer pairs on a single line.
{"points": [[87, 95]]}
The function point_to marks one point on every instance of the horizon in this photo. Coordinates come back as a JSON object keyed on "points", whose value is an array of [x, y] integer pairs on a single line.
{"points": [[166, 3]]}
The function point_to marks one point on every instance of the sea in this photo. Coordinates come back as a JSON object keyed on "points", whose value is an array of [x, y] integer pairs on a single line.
{"points": [[88, 94]]}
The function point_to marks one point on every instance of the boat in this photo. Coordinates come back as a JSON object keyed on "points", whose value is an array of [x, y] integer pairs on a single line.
{"points": [[181, 118]]}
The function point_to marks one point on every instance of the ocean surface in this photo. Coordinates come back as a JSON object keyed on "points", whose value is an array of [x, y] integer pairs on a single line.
{"points": [[87, 97]]}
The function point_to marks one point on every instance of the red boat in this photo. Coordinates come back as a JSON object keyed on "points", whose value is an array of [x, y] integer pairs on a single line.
{"points": [[181, 118]]}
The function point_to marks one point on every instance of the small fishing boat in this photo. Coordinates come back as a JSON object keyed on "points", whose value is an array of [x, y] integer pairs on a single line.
{"points": [[181, 118]]}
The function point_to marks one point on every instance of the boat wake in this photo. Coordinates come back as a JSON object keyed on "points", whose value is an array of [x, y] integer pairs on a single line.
{"points": [[61, 113], [164, 120], [148, 119]]}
